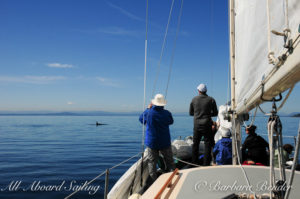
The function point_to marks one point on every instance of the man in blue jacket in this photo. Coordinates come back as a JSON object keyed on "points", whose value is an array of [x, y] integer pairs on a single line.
{"points": [[158, 138]]}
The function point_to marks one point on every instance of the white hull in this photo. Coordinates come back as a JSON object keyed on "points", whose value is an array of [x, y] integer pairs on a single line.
{"points": [[216, 182], [130, 181]]}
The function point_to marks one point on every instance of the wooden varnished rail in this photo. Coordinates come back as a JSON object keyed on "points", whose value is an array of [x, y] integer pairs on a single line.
{"points": [[168, 184]]}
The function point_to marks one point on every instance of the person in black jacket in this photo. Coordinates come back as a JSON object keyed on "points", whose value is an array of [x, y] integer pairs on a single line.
{"points": [[203, 108], [255, 147]]}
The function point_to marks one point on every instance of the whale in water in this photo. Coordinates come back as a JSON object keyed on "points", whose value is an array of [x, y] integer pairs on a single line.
{"points": [[99, 124]]}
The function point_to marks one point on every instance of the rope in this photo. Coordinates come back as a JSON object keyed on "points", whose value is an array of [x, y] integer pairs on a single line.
{"points": [[287, 30], [271, 125], [239, 160], [188, 163], [162, 48], [174, 47], [287, 27], [272, 59], [280, 149], [294, 165], [282, 103], [253, 118], [286, 97], [263, 111]]}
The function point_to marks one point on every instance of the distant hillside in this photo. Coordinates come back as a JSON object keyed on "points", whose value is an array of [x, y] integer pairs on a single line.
{"points": [[83, 113], [295, 115]]}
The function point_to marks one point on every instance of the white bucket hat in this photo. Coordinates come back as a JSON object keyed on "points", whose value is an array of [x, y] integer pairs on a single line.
{"points": [[225, 132], [202, 88], [159, 100]]}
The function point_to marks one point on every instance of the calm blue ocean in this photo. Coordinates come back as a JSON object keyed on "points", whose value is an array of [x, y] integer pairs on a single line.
{"points": [[67, 151]]}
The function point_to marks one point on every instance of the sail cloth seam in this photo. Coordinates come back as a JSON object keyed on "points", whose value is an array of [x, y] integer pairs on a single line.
{"points": [[162, 48]]}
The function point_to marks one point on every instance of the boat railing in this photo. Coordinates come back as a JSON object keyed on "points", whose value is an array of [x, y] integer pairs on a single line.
{"points": [[106, 172], [286, 136]]}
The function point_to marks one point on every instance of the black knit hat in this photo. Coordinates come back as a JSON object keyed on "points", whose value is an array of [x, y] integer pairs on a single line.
{"points": [[251, 128]]}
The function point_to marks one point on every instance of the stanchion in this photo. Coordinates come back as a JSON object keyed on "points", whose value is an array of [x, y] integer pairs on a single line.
{"points": [[106, 183]]}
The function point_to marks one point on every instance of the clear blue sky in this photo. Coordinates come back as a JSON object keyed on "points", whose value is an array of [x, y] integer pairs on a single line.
{"points": [[73, 55]]}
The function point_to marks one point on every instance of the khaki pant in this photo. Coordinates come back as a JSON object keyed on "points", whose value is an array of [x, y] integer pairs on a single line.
{"points": [[153, 156]]}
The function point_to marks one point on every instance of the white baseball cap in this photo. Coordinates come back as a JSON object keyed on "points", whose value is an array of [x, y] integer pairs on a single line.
{"points": [[202, 88]]}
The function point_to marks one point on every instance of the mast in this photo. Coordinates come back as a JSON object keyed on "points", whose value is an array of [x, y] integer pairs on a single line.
{"points": [[236, 138]]}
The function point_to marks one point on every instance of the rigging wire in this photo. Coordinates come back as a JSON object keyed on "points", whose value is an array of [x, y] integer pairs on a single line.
{"points": [[211, 46], [174, 47], [162, 48], [145, 78], [145, 70]]}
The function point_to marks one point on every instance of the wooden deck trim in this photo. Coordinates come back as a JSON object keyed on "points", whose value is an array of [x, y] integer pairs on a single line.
{"points": [[168, 184]]}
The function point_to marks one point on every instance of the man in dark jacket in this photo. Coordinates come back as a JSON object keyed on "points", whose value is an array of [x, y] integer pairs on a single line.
{"points": [[158, 138], [254, 147], [203, 108]]}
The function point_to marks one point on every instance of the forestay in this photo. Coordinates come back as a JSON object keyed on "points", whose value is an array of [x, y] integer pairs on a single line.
{"points": [[252, 28]]}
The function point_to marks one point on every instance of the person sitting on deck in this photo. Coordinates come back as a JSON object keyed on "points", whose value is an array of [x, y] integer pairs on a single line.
{"points": [[287, 149], [223, 148], [254, 147], [158, 139]]}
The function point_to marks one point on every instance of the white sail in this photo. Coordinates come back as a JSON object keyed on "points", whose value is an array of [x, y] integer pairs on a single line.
{"points": [[252, 27]]}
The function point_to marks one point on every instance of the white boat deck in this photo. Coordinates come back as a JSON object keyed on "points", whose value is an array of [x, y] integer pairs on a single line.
{"points": [[220, 181]]}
